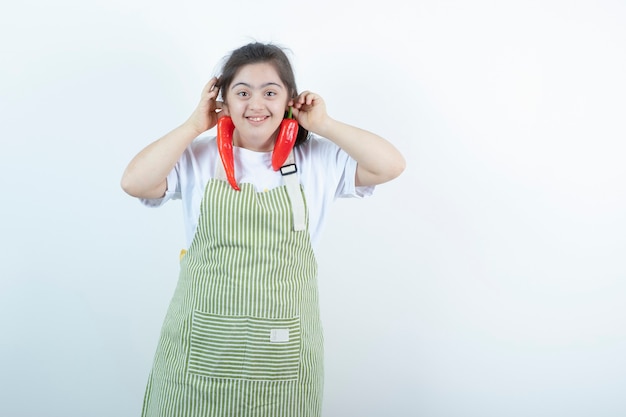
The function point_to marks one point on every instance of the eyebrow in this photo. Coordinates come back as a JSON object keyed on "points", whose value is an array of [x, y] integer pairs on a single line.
{"points": [[262, 86]]}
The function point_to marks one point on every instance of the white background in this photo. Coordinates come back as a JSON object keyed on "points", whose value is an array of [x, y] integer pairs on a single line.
{"points": [[488, 280]]}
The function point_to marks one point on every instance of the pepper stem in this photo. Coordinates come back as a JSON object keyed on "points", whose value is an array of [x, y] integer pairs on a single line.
{"points": [[290, 111]]}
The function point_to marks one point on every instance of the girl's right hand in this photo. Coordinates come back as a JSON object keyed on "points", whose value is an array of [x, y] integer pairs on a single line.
{"points": [[205, 116]]}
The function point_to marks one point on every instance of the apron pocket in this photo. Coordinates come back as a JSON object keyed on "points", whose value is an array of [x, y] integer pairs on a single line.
{"points": [[242, 347]]}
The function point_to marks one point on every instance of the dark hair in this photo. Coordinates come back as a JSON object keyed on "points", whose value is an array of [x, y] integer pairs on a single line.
{"points": [[254, 53]]}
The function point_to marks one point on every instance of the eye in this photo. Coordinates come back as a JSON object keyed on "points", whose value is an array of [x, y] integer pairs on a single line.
{"points": [[270, 93], [242, 94]]}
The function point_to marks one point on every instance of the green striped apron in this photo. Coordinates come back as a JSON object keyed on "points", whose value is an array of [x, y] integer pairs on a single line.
{"points": [[242, 336]]}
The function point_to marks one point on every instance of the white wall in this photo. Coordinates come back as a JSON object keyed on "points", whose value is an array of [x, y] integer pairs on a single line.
{"points": [[488, 280]]}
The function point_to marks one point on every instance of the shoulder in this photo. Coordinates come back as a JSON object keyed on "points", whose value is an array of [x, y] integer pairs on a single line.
{"points": [[316, 141], [200, 150], [202, 145], [317, 146], [322, 160], [197, 161]]}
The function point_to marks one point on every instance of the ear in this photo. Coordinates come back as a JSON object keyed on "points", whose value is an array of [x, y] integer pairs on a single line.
{"points": [[225, 110]]}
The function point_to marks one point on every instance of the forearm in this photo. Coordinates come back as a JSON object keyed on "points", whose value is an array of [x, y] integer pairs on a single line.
{"points": [[377, 159], [145, 176]]}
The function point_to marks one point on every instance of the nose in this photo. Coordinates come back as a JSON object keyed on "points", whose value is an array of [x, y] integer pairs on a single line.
{"points": [[255, 102]]}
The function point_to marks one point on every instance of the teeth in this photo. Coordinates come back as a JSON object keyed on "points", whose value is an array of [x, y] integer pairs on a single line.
{"points": [[256, 119]]}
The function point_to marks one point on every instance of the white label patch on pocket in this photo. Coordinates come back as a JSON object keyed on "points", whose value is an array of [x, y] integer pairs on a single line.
{"points": [[279, 335]]}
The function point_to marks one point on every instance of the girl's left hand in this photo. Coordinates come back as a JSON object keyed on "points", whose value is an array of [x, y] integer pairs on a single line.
{"points": [[310, 111]]}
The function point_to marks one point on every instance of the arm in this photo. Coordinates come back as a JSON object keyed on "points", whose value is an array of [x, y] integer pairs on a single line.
{"points": [[145, 176], [378, 161]]}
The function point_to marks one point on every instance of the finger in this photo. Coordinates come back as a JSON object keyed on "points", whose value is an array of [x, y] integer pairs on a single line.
{"points": [[307, 98], [210, 85], [210, 88], [213, 93], [297, 102], [311, 98], [304, 93]]}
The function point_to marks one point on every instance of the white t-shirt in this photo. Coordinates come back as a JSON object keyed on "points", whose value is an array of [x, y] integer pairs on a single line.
{"points": [[326, 173]]}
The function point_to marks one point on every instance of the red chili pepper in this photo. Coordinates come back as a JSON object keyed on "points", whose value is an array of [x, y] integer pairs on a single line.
{"points": [[225, 129], [284, 142]]}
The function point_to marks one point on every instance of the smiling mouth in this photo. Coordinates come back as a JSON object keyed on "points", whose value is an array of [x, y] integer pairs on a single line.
{"points": [[257, 119]]}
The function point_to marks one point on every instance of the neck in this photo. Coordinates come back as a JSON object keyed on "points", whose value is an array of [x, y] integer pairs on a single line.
{"points": [[254, 144]]}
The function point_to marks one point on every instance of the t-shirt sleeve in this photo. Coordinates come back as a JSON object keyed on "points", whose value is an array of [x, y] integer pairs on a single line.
{"points": [[172, 190], [347, 186], [339, 169]]}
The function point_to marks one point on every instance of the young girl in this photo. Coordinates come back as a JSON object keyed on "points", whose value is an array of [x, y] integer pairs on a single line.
{"points": [[242, 336]]}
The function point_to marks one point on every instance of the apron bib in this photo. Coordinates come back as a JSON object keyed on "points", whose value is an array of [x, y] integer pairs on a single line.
{"points": [[242, 336]]}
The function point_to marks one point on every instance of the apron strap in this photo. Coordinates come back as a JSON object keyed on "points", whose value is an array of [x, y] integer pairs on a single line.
{"points": [[220, 173], [289, 172]]}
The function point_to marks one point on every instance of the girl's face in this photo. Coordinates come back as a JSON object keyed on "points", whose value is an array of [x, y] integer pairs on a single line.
{"points": [[256, 100]]}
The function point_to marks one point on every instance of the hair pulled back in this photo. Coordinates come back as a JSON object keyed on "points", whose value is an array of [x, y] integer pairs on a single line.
{"points": [[255, 53]]}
